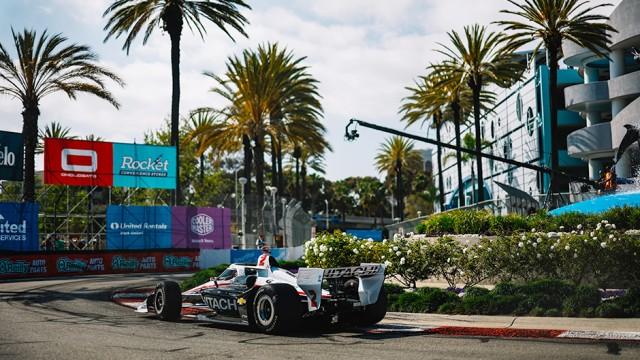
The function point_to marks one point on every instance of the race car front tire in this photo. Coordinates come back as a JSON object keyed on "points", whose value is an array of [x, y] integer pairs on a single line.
{"points": [[168, 301], [373, 313], [276, 308]]}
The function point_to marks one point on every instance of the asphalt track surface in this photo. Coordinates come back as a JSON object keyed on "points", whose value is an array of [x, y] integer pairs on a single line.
{"points": [[75, 319]]}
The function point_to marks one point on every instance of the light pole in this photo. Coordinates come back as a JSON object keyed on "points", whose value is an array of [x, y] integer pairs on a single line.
{"points": [[243, 181], [284, 222], [274, 190], [392, 202], [326, 214]]}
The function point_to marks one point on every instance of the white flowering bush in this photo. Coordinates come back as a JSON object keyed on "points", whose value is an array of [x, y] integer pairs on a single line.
{"points": [[341, 249], [409, 259]]}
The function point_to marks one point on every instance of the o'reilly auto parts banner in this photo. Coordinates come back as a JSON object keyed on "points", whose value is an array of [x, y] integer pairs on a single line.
{"points": [[78, 263], [152, 227], [18, 226], [97, 163], [11, 156]]}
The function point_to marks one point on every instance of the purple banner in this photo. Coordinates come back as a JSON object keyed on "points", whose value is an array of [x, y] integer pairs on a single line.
{"points": [[201, 227]]}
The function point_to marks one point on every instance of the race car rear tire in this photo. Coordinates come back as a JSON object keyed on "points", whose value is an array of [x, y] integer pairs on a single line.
{"points": [[373, 313], [276, 308], [168, 301]]}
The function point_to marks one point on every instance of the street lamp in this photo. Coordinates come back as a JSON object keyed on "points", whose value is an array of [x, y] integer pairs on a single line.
{"points": [[243, 181], [393, 203], [326, 214], [284, 222], [274, 191]]}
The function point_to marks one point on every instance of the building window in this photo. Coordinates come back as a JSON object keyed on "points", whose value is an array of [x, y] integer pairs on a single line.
{"points": [[531, 121], [507, 147], [493, 129]]}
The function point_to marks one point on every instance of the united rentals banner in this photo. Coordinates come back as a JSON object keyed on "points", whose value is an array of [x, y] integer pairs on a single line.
{"points": [[97, 163], [138, 227], [11, 156], [19, 227], [152, 227]]}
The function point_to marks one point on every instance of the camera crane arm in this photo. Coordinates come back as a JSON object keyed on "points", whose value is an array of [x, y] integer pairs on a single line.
{"points": [[352, 134]]}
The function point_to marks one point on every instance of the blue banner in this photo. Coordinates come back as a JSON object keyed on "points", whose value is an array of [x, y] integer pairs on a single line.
{"points": [[139, 227], [251, 256], [376, 235], [11, 156], [19, 226], [144, 166]]}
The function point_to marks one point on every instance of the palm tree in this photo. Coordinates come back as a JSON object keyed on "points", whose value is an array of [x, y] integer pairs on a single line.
{"points": [[550, 22], [425, 104], [394, 156], [200, 125], [478, 59], [46, 65], [257, 84], [53, 130], [130, 17]]}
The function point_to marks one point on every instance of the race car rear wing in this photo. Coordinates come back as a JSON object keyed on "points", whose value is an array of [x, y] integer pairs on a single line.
{"points": [[370, 281]]}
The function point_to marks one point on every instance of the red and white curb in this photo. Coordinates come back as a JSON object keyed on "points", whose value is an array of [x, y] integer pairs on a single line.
{"points": [[134, 298], [509, 332]]}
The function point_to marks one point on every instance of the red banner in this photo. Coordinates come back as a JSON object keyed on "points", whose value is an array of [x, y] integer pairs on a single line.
{"points": [[79, 263], [78, 162]]}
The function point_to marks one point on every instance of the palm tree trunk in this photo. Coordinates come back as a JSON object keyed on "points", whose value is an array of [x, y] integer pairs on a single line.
{"points": [[399, 189], [248, 161], [297, 178], [440, 176], [280, 173], [258, 159], [456, 121], [274, 161], [476, 123], [201, 169], [30, 134], [173, 20], [553, 104], [303, 187]]}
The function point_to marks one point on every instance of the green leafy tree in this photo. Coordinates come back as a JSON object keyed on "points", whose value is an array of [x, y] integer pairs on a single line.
{"points": [[47, 64], [479, 58], [129, 17], [254, 86], [395, 157], [549, 23]]}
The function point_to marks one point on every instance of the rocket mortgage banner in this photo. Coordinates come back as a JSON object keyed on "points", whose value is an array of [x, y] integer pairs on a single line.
{"points": [[11, 156], [97, 163]]}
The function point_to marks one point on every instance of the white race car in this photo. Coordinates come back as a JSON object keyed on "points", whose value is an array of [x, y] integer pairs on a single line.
{"points": [[274, 300]]}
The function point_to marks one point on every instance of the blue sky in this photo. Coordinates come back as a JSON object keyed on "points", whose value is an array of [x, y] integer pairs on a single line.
{"points": [[363, 52]]}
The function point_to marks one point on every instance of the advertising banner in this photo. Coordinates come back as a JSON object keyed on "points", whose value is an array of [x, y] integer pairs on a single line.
{"points": [[17, 266], [19, 226], [11, 156], [97, 163], [201, 227], [138, 227], [144, 166], [78, 162]]}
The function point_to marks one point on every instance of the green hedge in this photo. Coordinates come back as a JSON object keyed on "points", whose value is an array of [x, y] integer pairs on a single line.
{"points": [[536, 298], [202, 276], [484, 223]]}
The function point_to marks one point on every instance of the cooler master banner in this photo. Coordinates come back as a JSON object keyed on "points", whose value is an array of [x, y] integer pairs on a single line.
{"points": [[19, 227], [97, 163], [154, 227], [11, 156], [201, 227]]}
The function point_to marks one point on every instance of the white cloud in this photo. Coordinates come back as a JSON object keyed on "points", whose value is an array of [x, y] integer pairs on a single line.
{"points": [[363, 52]]}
